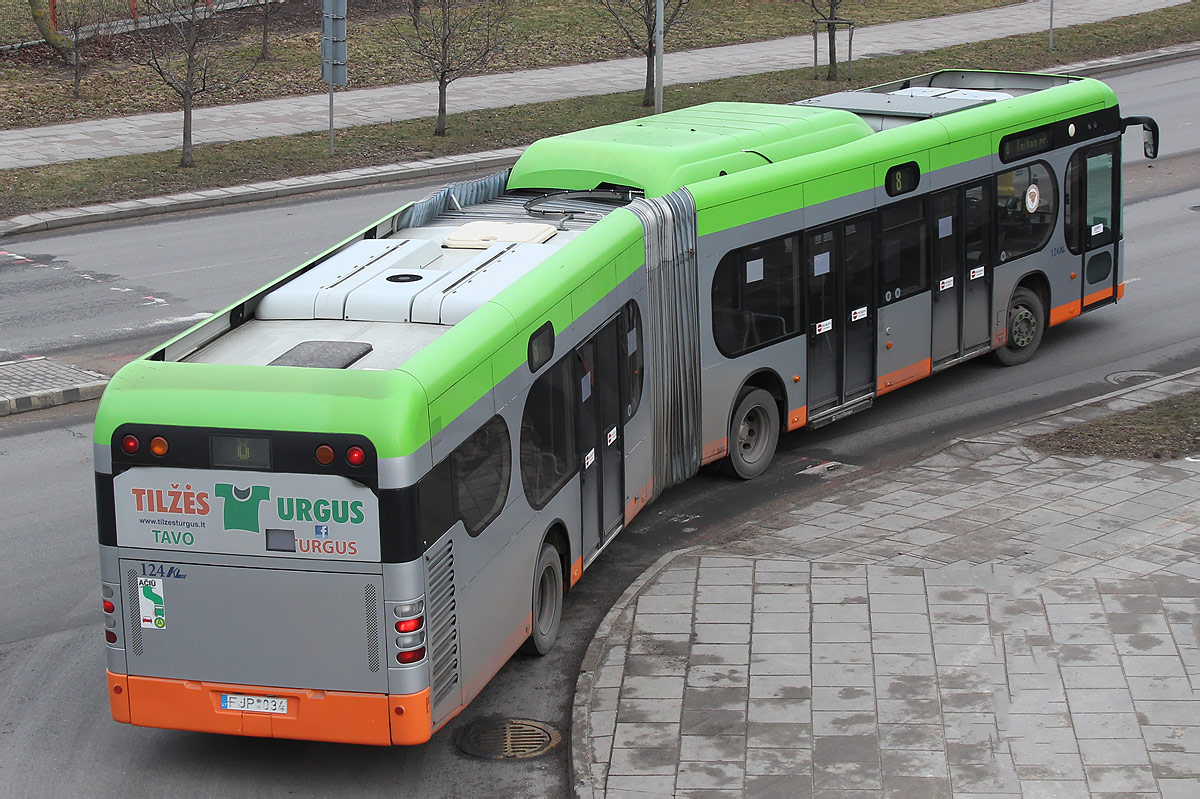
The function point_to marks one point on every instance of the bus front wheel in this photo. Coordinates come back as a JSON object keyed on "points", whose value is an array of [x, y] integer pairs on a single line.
{"points": [[753, 433], [547, 602], [1026, 322]]}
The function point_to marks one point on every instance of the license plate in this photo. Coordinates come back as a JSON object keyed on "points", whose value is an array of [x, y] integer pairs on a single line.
{"points": [[254, 704]]}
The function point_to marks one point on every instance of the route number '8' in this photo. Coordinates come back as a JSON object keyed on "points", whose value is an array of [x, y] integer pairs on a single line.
{"points": [[902, 179]]}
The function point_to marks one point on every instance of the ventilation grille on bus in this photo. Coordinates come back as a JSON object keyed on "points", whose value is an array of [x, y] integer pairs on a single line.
{"points": [[443, 621], [135, 612], [372, 604]]}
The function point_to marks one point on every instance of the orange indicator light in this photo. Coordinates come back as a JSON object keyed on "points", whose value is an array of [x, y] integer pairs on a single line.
{"points": [[324, 454], [158, 445]]}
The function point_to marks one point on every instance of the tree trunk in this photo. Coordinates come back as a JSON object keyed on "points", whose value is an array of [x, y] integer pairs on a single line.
{"points": [[648, 95], [186, 159], [832, 53], [78, 65], [440, 129], [41, 18], [264, 55]]}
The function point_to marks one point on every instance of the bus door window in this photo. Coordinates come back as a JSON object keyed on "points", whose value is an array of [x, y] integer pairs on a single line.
{"points": [[1092, 181], [858, 309], [948, 274], [904, 261], [824, 321], [977, 287], [632, 357]]}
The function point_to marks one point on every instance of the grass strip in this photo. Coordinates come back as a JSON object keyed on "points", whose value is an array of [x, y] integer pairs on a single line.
{"points": [[1163, 430], [128, 177]]}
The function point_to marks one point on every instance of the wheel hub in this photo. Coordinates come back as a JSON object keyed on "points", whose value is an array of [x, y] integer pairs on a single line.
{"points": [[1022, 327]]}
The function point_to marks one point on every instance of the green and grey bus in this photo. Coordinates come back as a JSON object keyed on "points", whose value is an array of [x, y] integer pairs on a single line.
{"points": [[335, 509]]}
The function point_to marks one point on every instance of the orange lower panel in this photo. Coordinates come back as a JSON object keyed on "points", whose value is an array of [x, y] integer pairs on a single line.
{"points": [[576, 571], [338, 716], [714, 451], [893, 380], [1064, 312], [797, 418], [1120, 291], [1103, 294]]}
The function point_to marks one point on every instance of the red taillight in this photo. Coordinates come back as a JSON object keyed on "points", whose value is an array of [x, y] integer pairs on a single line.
{"points": [[324, 454], [410, 625], [130, 445], [109, 607], [158, 445], [411, 656], [355, 456], [111, 637]]}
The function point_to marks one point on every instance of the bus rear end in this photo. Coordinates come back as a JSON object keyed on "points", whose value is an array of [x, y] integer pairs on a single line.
{"points": [[246, 586]]}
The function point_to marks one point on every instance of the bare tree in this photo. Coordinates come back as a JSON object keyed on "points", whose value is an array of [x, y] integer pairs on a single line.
{"points": [[269, 9], [453, 38], [88, 23], [636, 19], [188, 53], [828, 10]]}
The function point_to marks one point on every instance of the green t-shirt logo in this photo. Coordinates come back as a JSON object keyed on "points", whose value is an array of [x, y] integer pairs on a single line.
{"points": [[241, 505]]}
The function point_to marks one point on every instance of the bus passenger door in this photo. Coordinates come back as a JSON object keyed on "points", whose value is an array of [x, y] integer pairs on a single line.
{"points": [[858, 308], [947, 276], [600, 437], [977, 268], [1091, 182], [825, 328]]}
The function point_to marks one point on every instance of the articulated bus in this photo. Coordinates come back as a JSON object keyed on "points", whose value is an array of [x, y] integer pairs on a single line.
{"points": [[335, 509]]}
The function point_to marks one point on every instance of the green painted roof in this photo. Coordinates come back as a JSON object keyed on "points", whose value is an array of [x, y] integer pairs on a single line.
{"points": [[658, 154]]}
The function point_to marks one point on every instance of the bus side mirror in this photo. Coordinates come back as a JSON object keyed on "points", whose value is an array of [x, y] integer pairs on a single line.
{"points": [[1149, 133]]}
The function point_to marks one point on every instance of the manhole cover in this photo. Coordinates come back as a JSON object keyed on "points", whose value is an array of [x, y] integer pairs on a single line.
{"points": [[507, 739], [1131, 378]]}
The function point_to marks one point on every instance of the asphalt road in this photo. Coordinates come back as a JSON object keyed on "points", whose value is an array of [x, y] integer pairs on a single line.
{"points": [[55, 734]]}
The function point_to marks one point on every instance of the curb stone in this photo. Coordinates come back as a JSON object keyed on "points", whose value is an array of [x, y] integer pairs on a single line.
{"points": [[581, 775]]}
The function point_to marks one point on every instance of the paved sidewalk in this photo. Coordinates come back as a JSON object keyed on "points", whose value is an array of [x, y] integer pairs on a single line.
{"points": [[32, 383], [988, 622], [158, 132]]}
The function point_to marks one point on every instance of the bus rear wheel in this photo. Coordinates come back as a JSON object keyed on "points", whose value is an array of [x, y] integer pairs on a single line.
{"points": [[753, 434], [547, 602], [1026, 323]]}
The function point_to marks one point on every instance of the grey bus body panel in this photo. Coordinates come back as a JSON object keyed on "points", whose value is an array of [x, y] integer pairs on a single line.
{"points": [[253, 626]]}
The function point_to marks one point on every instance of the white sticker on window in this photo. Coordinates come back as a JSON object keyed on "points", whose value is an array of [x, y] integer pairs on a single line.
{"points": [[585, 387], [151, 604], [589, 458], [946, 284], [858, 313], [820, 264], [1097, 228], [977, 272], [631, 341], [612, 435], [754, 270], [824, 327], [945, 227], [1033, 196]]}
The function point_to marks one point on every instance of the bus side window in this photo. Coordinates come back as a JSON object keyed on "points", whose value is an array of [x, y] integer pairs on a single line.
{"points": [[977, 215], [904, 256], [1026, 210], [480, 468], [548, 433], [756, 296], [632, 359]]}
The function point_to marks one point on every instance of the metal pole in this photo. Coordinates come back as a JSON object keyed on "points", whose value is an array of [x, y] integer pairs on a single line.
{"points": [[658, 58], [1051, 24], [331, 119]]}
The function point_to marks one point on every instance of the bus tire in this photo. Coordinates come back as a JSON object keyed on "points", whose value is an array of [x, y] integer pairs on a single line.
{"points": [[547, 602], [1026, 323], [753, 434]]}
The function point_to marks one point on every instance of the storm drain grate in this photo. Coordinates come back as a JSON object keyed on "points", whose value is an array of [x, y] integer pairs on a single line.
{"points": [[507, 739]]}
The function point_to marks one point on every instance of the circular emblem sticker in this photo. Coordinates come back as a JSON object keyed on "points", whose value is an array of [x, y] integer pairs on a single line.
{"points": [[1032, 197]]}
